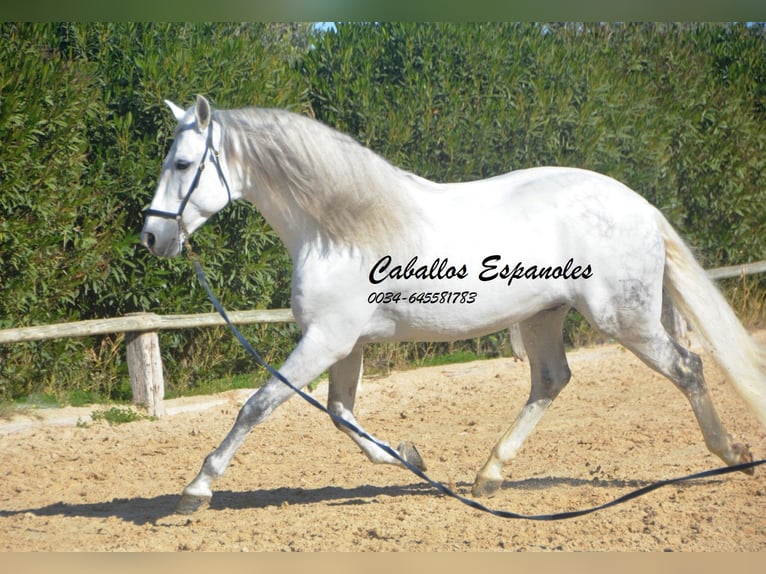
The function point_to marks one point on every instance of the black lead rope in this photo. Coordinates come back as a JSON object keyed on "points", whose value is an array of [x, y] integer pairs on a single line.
{"points": [[438, 485]]}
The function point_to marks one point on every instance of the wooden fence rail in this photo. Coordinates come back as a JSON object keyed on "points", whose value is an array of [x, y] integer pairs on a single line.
{"points": [[139, 323], [142, 341], [142, 345], [737, 270]]}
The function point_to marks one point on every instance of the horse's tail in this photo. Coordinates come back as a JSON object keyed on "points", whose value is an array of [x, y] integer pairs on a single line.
{"points": [[721, 333]]}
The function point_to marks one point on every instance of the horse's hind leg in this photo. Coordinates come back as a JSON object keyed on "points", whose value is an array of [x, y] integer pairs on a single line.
{"points": [[344, 379], [684, 368], [550, 373]]}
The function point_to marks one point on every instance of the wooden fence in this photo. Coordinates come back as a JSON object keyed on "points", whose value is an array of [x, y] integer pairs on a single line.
{"points": [[142, 341], [142, 344]]}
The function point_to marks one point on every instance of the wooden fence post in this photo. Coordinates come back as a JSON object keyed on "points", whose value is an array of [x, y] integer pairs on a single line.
{"points": [[145, 368]]}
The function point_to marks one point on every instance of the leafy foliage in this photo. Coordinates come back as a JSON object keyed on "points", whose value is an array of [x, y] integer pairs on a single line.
{"points": [[117, 416], [675, 112], [84, 128]]}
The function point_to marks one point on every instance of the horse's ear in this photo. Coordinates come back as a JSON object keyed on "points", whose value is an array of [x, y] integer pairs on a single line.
{"points": [[202, 112], [177, 111]]}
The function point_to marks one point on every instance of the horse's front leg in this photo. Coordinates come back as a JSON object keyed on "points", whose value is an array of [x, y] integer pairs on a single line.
{"points": [[344, 379], [310, 359]]}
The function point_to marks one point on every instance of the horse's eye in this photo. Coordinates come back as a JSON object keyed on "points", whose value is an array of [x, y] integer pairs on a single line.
{"points": [[182, 164]]}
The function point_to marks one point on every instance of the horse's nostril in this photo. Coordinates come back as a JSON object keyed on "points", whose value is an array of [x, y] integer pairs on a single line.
{"points": [[148, 240]]}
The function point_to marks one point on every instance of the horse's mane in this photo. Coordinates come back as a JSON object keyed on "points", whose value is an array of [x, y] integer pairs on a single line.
{"points": [[350, 195]]}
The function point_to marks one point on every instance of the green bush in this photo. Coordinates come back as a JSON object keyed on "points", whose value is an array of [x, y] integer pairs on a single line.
{"points": [[675, 112], [85, 128]]}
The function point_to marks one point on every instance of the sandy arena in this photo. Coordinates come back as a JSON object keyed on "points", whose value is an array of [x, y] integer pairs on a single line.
{"points": [[298, 484]]}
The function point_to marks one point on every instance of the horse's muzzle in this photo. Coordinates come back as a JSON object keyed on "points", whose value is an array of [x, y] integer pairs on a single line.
{"points": [[161, 240]]}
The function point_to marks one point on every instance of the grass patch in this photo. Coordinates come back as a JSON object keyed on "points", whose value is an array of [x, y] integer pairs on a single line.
{"points": [[449, 359], [38, 401], [119, 415], [213, 386], [252, 380], [80, 398]]}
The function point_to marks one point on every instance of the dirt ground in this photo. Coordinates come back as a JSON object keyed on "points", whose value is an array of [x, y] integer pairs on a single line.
{"points": [[299, 485]]}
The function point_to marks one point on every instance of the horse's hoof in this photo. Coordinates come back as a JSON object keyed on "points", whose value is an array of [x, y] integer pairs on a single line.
{"points": [[191, 503], [485, 487], [743, 455], [410, 453]]}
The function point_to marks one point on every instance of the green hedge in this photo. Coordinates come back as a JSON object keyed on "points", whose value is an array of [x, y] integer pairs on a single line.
{"points": [[676, 112], [85, 128]]}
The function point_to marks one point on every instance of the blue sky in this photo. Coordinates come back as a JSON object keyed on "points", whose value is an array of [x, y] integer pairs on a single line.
{"points": [[324, 25]]}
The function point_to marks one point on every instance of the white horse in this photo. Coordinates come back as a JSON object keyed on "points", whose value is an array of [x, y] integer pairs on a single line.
{"points": [[380, 254]]}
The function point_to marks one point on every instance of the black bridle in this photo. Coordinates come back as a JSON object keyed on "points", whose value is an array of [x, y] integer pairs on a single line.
{"points": [[209, 148]]}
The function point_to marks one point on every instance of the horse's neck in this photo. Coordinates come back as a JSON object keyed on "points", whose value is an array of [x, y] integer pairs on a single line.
{"points": [[288, 221], [334, 196]]}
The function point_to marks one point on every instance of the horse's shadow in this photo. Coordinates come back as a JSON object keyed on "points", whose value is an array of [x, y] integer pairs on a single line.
{"points": [[141, 511]]}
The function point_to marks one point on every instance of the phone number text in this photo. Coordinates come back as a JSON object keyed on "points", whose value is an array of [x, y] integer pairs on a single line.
{"points": [[424, 298]]}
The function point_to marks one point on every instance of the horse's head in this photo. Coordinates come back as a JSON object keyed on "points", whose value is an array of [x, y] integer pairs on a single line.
{"points": [[187, 194]]}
